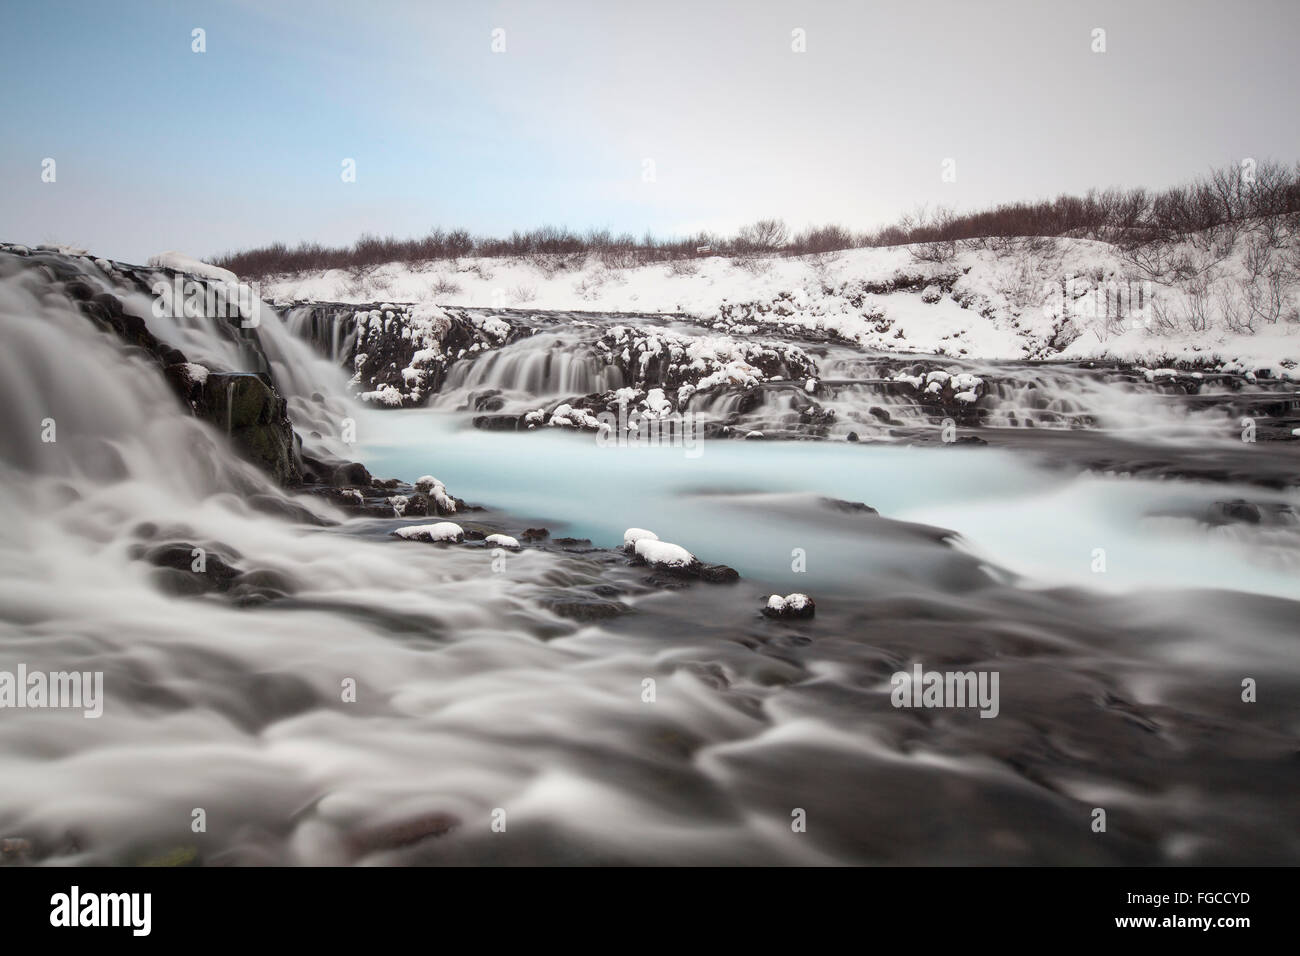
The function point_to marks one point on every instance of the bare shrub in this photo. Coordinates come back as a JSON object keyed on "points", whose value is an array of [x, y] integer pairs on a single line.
{"points": [[444, 286], [943, 251]]}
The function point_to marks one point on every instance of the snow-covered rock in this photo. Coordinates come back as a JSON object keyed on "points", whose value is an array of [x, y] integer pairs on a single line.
{"points": [[442, 531], [632, 535], [442, 502], [663, 554], [792, 606], [183, 263], [501, 541]]}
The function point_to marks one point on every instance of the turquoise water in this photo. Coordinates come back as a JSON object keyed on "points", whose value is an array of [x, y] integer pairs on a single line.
{"points": [[751, 503]]}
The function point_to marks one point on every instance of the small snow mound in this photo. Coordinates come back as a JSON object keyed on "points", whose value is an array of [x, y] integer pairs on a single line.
{"points": [[632, 535], [440, 531], [791, 606], [197, 374], [183, 263], [663, 554], [501, 541]]}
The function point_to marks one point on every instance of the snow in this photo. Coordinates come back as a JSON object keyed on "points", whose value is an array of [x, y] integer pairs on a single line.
{"points": [[183, 263], [383, 395], [197, 374], [436, 490], [399, 503], [632, 535], [502, 541], [792, 602], [440, 531], [663, 554]]}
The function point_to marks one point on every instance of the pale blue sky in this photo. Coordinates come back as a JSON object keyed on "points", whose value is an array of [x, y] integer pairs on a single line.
{"points": [[161, 148]]}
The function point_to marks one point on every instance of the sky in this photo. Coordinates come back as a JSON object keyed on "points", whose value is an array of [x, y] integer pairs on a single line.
{"points": [[671, 117]]}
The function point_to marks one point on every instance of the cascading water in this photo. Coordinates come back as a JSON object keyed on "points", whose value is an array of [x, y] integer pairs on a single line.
{"points": [[548, 365]]}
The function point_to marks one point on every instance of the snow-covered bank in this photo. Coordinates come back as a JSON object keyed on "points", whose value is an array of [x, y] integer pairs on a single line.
{"points": [[1231, 300]]}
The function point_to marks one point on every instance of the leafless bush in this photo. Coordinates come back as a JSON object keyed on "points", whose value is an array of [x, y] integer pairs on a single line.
{"points": [[943, 251], [444, 286]]}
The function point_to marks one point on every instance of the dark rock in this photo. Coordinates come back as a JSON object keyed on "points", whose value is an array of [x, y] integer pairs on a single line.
{"points": [[801, 607], [718, 574], [403, 833], [176, 568], [351, 473], [1238, 510], [584, 608], [255, 416]]}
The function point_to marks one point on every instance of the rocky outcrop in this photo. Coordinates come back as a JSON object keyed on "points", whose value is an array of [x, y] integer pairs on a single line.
{"points": [[249, 410], [399, 354], [245, 405], [663, 370]]}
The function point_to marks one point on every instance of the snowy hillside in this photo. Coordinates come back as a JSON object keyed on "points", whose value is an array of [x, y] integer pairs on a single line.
{"points": [[1208, 300]]}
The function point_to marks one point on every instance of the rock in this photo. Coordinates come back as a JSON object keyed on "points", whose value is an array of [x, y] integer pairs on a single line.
{"points": [[584, 608], [352, 473], [444, 532], [1237, 510], [791, 607], [851, 436], [439, 501], [535, 534], [501, 541], [718, 574], [401, 353], [183, 572], [675, 561], [403, 833], [255, 416]]}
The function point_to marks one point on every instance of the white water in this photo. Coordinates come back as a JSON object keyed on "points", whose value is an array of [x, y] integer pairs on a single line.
{"points": [[471, 695]]}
